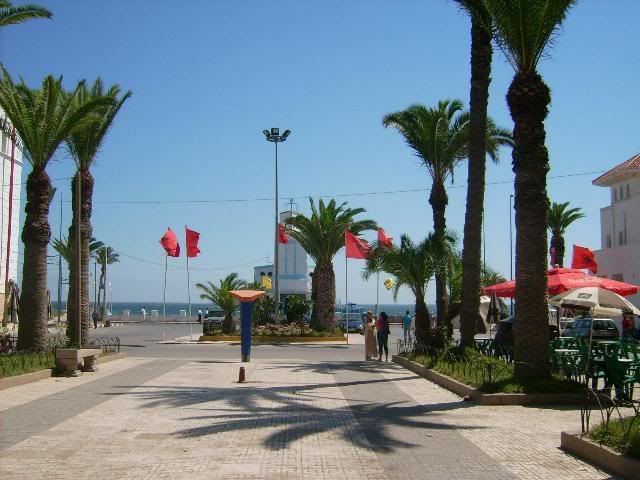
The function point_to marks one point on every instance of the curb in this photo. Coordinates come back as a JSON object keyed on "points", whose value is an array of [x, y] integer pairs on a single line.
{"points": [[270, 339], [31, 377], [494, 399], [600, 456]]}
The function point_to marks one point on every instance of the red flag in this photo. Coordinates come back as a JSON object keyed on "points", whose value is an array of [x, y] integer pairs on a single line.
{"points": [[192, 243], [584, 258], [356, 248], [283, 236], [169, 242], [384, 240]]}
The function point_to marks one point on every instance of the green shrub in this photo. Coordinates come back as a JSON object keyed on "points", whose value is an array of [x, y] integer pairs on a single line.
{"points": [[621, 435], [488, 374], [24, 362]]}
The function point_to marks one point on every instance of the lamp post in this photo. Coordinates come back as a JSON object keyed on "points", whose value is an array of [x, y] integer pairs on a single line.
{"points": [[510, 250], [275, 137]]}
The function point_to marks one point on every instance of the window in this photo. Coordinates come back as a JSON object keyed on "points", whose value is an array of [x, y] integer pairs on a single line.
{"points": [[628, 191], [621, 193], [608, 241], [270, 274], [262, 274], [615, 194], [620, 237]]}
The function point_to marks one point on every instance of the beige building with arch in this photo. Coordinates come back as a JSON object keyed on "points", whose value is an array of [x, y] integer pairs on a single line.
{"points": [[619, 254]]}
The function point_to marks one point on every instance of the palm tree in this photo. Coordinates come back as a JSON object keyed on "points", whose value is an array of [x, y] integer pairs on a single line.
{"points": [[12, 14], [104, 256], [559, 219], [43, 118], [63, 247], [523, 29], [221, 296], [84, 145], [322, 236], [440, 138], [413, 265], [481, 55]]}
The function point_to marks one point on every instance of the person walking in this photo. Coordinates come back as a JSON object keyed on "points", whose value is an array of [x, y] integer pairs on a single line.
{"points": [[627, 325], [406, 326], [382, 325], [95, 316], [370, 348], [199, 316]]}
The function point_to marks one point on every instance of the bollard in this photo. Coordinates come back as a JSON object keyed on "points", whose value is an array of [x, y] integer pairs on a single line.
{"points": [[241, 375]]}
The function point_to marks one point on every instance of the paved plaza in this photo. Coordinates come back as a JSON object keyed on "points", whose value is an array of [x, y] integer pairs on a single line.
{"points": [[330, 418]]}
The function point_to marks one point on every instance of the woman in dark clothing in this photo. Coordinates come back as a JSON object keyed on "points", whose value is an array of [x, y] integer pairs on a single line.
{"points": [[382, 326]]}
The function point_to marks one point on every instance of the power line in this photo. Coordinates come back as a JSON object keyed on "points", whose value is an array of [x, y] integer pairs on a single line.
{"points": [[336, 195], [151, 262]]}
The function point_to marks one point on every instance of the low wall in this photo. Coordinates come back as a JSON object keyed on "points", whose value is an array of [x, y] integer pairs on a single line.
{"points": [[601, 456], [489, 398], [270, 339], [31, 377]]}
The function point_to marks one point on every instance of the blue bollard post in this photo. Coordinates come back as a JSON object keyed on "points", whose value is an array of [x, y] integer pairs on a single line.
{"points": [[245, 330]]}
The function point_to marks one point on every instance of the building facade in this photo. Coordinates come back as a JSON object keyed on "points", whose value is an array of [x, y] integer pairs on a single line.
{"points": [[11, 156], [619, 254], [294, 276]]}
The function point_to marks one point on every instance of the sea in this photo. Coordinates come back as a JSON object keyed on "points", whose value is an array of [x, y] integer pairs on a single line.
{"points": [[173, 309]]}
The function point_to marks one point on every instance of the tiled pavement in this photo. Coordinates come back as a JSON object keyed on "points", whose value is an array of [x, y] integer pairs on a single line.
{"points": [[291, 420]]}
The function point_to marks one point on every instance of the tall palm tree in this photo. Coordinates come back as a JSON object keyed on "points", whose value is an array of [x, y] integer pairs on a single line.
{"points": [[104, 256], [84, 145], [440, 138], [12, 14], [413, 265], [481, 56], [220, 295], [523, 30], [558, 220], [43, 118], [322, 236]]}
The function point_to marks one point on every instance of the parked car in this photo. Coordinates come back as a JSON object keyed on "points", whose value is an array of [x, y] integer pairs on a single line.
{"points": [[603, 328], [504, 333], [212, 321]]}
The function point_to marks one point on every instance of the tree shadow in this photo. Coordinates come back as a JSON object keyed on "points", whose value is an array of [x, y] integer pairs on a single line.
{"points": [[292, 411]]}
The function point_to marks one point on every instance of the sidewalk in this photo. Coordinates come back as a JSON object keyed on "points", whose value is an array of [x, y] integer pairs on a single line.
{"points": [[158, 418]]}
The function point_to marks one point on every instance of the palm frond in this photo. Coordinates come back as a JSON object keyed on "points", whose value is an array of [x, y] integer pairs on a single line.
{"points": [[559, 218], [524, 29], [11, 14]]}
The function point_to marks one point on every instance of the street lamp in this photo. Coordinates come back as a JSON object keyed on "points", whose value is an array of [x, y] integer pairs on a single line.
{"points": [[275, 137]]}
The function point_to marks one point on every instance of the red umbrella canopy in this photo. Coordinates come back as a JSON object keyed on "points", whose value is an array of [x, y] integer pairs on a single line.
{"points": [[562, 279]]}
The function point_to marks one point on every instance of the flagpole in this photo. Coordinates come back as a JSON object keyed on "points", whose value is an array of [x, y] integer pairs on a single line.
{"points": [[164, 293], [189, 296], [346, 291], [377, 291]]}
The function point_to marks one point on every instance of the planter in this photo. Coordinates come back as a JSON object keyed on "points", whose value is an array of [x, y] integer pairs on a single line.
{"points": [[18, 380], [601, 456], [489, 398], [270, 339]]}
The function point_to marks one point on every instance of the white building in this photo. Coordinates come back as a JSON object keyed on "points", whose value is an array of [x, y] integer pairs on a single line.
{"points": [[6, 243], [619, 254], [294, 277]]}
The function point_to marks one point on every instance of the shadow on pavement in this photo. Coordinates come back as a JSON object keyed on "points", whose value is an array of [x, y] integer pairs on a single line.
{"points": [[293, 410]]}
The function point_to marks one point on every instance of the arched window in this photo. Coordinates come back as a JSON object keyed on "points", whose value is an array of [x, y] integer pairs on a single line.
{"points": [[262, 274], [615, 194], [271, 273], [620, 237], [608, 241]]}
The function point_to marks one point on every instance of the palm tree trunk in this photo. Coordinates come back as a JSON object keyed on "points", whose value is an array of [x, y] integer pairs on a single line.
{"points": [[228, 326], [481, 54], [528, 98], [423, 324], [325, 279], [35, 235], [557, 242], [439, 200], [314, 296], [83, 281]]}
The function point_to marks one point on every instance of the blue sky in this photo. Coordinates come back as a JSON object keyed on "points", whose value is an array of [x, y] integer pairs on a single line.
{"points": [[209, 76]]}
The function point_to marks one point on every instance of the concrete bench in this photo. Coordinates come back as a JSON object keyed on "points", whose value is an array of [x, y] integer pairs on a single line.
{"points": [[69, 360]]}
